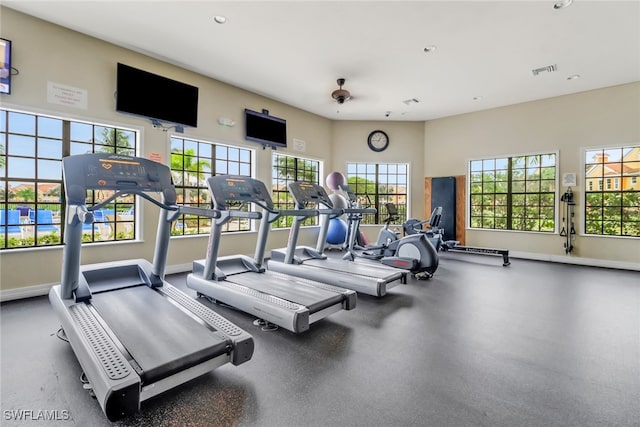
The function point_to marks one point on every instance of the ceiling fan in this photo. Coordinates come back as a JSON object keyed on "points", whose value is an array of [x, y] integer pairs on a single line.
{"points": [[341, 95]]}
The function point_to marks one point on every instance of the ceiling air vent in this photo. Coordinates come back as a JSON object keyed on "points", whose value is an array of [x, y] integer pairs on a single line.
{"points": [[547, 69]]}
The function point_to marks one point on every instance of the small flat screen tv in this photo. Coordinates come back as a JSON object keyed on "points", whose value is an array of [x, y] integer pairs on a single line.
{"points": [[149, 95], [5, 66], [265, 129]]}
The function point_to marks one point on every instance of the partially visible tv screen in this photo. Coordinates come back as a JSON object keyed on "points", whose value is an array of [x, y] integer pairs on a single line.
{"points": [[265, 129], [149, 95], [5, 66]]}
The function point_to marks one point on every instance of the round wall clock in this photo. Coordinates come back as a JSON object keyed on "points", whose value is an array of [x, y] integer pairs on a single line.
{"points": [[378, 140]]}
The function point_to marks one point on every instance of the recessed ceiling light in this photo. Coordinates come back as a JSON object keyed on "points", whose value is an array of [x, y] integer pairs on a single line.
{"points": [[477, 98], [573, 77], [430, 48], [219, 19], [560, 4]]}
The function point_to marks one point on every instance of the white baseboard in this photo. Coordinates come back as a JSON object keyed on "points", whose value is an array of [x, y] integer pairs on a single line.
{"points": [[178, 268], [25, 292], [40, 290], [565, 259]]}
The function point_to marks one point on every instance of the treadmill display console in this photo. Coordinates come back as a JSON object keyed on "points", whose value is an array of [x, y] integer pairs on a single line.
{"points": [[102, 171], [231, 188], [304, 193]]}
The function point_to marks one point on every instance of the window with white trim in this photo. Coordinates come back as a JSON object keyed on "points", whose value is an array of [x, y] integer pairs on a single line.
{"points": [[513, 193], [376, 184], [287, 169], [614, 211], [32, 205], [192, 162]]}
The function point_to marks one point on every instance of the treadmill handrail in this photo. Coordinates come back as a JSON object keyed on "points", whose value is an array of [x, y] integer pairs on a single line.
{"points": [[124, 175], [209, 213], [359, 210], [299, 212], [267, 220], [331, 213], [277, 213], [136, 192], [226, 216], [244, 214]]}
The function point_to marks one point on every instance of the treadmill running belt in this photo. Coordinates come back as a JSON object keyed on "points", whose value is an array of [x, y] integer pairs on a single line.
{"points": [[290, 289], [161, 338], [387, 274]]}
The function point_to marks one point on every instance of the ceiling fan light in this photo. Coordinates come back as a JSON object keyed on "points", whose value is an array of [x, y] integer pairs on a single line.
{"points": [[340, 95], [561, 4]]}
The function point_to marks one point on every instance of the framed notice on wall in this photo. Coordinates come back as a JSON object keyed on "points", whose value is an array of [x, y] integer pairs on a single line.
{"points": [[569, 180]]}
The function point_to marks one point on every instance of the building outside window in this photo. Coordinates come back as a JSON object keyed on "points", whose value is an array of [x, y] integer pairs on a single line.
{"points": [[287, 169], [32, 206], [614, 211], [192, 162], [513, 193], [376, 184]]}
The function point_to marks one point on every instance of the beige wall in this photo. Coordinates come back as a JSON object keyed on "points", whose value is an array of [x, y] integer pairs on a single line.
{"points": [[44, 52], [349, 144], [567, 124]]}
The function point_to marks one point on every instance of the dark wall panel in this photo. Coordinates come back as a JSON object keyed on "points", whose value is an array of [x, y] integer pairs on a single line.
{"points": [[443, 193]]}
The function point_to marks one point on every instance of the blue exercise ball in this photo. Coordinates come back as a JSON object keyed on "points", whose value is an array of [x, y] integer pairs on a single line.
{"points": [[337, 233]]}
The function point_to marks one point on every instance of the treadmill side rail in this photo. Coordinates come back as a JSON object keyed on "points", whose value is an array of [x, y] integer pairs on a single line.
{"points": [[363, 284], [243, 344], [115, 383], [293, 317]]}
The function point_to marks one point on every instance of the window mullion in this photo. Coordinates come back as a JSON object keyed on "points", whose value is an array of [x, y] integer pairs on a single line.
{"points": [[509, 193], [376, 197], [66, 151]]}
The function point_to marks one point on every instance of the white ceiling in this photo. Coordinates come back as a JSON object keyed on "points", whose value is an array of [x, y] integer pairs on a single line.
{"points": [[293, 51]]}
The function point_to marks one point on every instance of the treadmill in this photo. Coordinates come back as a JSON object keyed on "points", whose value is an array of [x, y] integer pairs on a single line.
{"points": [[242, 282], [313, 264], [134, 334]]}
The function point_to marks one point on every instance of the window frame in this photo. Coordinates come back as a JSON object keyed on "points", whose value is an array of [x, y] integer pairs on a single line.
{"points": [[509, 192], [584, 229], [203, 224], [66, 138], [378, 217], [285, 222]]}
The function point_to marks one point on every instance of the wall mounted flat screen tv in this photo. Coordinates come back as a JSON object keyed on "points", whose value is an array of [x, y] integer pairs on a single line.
{"points": [[5, 66], [146, 94], [265, 129]]}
